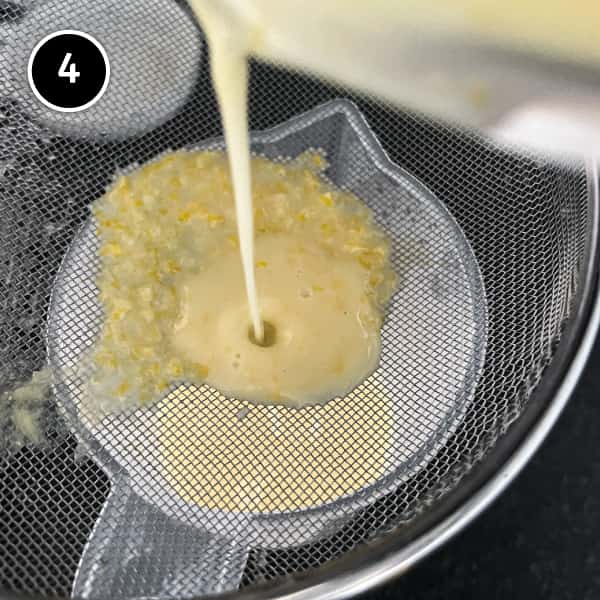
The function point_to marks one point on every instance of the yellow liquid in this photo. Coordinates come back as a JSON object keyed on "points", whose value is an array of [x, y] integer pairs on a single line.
{"points": [[326, 327], [276, 451], [229, 72], [229, 69], [173, 292], [175, 309], [234, 456], [171, 286]]}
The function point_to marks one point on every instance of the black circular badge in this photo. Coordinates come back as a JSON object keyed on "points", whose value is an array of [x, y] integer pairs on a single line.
{"points": [[68, 70]]}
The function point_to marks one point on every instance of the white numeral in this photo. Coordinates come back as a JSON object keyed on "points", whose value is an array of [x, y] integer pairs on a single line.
{"points": [[72, 73]]}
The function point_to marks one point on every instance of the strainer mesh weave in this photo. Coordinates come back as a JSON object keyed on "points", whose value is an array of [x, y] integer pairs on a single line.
{"points": [[524, 217]]}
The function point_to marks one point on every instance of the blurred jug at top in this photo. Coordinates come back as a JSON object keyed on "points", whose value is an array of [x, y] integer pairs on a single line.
{"points": [[514, 67]]}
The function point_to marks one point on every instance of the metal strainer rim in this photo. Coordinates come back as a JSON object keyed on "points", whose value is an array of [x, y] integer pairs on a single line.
{"points": [[397, 552]]}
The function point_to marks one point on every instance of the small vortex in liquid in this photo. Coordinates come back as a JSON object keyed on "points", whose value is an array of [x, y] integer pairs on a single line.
{"points": [[269, 336]]}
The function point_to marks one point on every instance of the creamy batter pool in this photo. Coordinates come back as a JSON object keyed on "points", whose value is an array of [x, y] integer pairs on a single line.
{"points": [[173, 294]]}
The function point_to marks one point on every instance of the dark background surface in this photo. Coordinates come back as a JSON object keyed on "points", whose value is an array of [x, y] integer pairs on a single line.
{"points": [[541, 538]]}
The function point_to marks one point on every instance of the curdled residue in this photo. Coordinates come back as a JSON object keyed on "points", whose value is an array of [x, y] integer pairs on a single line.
{"points": [[173, 219], [22, 410], [27, 424]]}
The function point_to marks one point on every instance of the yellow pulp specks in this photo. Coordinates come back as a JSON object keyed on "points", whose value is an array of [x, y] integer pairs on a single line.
{"points": [[159, 224]]}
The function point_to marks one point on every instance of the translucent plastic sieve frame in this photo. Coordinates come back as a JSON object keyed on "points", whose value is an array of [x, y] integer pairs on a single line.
{"points": [[438, 314]]}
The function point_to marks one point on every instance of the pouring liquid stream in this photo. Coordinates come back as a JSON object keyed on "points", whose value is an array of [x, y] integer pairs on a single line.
{"points": [[230, 76]]}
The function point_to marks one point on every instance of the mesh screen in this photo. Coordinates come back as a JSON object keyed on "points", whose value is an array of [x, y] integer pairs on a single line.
{"points": [[524, 217]]}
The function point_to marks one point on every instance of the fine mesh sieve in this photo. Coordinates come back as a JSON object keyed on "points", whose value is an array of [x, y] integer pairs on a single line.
{"points": [[440, 298], [494, 247]]}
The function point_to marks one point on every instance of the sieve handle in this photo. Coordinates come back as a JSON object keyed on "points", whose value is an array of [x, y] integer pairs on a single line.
{"points": [[135, 550]]}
